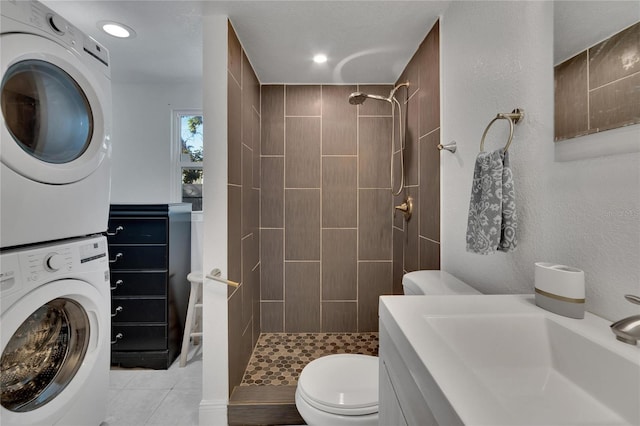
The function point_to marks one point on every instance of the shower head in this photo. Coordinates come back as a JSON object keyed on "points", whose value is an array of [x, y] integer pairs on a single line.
{"points": [[357, 98]]}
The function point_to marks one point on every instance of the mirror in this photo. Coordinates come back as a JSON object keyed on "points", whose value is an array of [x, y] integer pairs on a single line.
{"points": [[595, 90]]}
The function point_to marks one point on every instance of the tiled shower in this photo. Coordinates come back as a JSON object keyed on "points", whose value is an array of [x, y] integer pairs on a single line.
{"points": [[313, 236]]}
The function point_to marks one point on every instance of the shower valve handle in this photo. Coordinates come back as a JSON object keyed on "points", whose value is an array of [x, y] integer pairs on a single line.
{"points": [[406, 208]]}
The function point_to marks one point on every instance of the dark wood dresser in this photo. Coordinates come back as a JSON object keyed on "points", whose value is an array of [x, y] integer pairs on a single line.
{"points": [[150, 257]]}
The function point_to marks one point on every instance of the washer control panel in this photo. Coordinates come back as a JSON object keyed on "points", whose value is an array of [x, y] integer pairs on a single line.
{"points": [[33, 265]]}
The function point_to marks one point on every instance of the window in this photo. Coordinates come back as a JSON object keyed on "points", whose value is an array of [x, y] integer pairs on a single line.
{"points": [[189, 143]]}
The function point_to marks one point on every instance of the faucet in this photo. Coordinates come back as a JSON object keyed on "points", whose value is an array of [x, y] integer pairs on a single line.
{"points": [[627, 330]]}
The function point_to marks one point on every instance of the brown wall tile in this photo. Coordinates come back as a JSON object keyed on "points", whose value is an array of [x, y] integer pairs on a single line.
{"points": [[234, 233], [398, 217], [571, 97], [616, 104], [339, 192], [302, 224], [374, 152], [272, 264], [272, 117], [234, 61], [255, 131], [234, 124], [248, 284], [302, 304], [303, 100], [339, 121], [237, 364], [372, 106], [339, 317], [615, 58], [249, 102], [254, 211], [247, 180], [374, 280], [302, 152], [257, 311], [272, 192], [429, 95], [374, 224], [430, 186], [411, 155], [429, 254], [398, 257], [411, 232], [272, 317], [411, 74], [339, 264]]}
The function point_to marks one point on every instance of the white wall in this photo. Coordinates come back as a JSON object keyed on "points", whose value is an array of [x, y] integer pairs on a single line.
{"points": [[585, 212], [142, 166], [215, 365]]}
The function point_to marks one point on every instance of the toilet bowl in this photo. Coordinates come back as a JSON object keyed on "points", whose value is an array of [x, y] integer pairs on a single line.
{"points": [[339, 390], [342, 390]]}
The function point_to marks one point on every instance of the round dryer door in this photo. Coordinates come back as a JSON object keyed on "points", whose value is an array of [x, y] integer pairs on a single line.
{"points": [[54, 130], [49, 347], [43, 355]]}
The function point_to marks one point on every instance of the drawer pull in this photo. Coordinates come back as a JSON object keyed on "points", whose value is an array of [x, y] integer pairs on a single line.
{"points": [[118, 337], [118, 310], [118, 283], [118, 229], [118, 256]]}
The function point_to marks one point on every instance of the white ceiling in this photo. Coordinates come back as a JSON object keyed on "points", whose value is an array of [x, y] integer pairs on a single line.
{"points": [[365, 41]]}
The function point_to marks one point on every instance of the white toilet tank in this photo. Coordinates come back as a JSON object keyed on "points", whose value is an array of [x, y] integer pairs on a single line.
{"points": [[433, 283]]}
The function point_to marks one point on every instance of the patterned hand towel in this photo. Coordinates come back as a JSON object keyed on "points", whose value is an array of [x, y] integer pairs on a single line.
{"points": [[492, 215], [508, 240]]}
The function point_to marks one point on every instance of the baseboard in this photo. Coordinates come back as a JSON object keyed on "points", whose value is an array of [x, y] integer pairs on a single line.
{"points": [[213, 413]]}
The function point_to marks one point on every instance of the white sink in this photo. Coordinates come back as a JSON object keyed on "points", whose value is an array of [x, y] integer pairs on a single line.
{"points": [[502, 360]]}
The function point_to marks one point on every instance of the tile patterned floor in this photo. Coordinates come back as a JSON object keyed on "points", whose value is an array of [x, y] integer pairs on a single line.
{"points": [[156, 397], [278, 358]]}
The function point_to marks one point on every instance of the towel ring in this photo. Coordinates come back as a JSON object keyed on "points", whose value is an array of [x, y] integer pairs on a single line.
{"points": [[513, 118]]}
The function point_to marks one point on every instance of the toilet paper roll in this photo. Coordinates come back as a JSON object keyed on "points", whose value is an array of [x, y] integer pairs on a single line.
{"points": [[560, 280]]}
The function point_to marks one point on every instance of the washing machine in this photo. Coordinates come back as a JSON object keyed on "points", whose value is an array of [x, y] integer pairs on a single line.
{"points": [[55, 321], [56, 127]]}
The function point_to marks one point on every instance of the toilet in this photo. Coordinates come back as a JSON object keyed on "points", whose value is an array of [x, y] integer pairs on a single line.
{"points": [[342, 389]]}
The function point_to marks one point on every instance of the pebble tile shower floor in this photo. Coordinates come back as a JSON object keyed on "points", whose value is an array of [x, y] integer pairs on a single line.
{"points": [[278, 358]]}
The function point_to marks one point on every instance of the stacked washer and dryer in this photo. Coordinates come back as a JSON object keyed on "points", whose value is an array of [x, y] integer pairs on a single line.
{"points": [[54, 188]]}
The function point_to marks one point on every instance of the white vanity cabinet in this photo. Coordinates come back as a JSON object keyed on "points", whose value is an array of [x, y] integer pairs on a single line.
{"points": [[402, 402]]}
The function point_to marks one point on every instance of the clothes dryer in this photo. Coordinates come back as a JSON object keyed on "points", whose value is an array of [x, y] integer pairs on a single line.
{"points": [[55, 330], [56, 127]]}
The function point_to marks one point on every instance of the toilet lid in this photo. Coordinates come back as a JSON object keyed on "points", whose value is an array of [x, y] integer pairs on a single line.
{"points": [[342, 384]]}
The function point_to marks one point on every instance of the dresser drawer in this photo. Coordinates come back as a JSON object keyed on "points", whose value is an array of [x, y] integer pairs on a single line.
{"points": [[124, 283], [137, 231], [138, 337], [138, 310], [137, 257]]}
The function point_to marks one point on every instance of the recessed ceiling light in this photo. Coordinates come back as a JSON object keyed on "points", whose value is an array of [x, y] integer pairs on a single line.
{"points": [[320, 58], [116, 29]]}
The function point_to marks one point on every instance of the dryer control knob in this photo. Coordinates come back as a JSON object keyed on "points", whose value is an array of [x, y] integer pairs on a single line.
{"points": [[53, 262]]}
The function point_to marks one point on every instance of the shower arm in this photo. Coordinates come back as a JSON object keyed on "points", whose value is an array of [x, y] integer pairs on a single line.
{"points": [[395, 89]]}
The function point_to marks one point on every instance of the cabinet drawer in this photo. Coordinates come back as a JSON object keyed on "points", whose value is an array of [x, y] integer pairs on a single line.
{"points": [[138, 310], [138, 283], [138, 337], [137, 257], [137, 231]]}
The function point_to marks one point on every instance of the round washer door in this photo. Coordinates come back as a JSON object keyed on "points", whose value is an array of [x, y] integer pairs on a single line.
{"points": [[53, 120], [50, 340]]}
